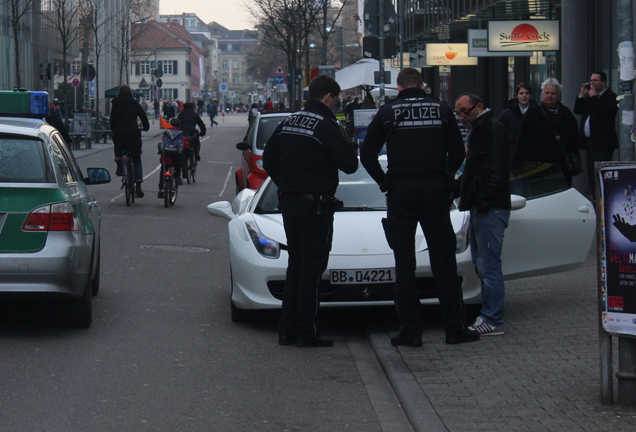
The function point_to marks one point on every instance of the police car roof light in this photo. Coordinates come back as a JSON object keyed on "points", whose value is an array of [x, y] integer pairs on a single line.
{"points": [[22, 103]]}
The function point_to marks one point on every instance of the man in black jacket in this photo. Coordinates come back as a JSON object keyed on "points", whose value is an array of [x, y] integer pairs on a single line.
{"points": [[189, 122], [596, 104], [303, 157], [485, 191], [424, 149]]}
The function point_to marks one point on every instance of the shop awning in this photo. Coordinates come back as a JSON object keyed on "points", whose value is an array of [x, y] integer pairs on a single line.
{"points": [[112, 93]]}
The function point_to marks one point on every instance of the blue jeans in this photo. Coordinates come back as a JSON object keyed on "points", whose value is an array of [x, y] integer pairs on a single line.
{"points": [[486, 243]]}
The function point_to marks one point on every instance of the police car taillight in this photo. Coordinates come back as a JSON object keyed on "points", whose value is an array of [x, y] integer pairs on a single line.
{"points": [[52, 217], [22, 103]]}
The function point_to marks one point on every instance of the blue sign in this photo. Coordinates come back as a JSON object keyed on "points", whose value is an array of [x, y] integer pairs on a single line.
{"points": [[223, 87], [280, 79]]}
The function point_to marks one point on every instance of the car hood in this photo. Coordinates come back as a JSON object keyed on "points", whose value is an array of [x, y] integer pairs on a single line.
{"points": [[354, 233]]}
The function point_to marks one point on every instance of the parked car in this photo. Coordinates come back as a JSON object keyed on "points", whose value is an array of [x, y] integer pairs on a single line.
{"points": [[551, 230], [251, 174], [49, 219]]}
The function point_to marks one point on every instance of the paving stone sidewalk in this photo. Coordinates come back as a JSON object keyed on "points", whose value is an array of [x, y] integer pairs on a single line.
{"points": [[542, 375]]}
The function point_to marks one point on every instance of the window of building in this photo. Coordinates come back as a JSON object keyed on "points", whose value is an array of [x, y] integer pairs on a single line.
{"points": [[235, 79], [145, 68], [224, 79], [76, 67], [225, 64], [229, 46], [170, 67], [235, 64], [169, 93]]}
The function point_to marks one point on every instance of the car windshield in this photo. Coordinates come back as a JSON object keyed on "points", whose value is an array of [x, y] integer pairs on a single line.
{"points": [[22, 160], [266, 127], [358, 192]]}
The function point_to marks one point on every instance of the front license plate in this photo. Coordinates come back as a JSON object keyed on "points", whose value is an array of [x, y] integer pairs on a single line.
{"points": [[339, 277]]}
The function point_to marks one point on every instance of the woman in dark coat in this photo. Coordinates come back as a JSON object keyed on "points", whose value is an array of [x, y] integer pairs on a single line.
{"points": [[126, 133], [512, 117], [549, 130]]}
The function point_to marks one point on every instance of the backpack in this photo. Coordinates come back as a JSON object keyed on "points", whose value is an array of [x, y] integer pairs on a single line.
{"points": [[171, 141], [213, 109]]}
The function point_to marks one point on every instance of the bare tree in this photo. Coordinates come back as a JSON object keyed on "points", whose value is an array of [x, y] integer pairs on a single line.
{"points": [[330, 11], [63, 17], [96, 26], [286, 24], [18, 9], [131, 12]]}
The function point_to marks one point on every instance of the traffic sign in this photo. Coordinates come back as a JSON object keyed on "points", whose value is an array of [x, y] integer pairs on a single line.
{"points": [[75, 82], [279, 70], [223, 87], [280, 79], [158, 83]]}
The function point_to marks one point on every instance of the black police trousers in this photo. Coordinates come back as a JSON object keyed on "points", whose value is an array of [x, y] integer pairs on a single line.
{"points": [[309, 237], [425, 201]]}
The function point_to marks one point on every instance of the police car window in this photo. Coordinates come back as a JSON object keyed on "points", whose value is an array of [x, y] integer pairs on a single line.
{"points": [[70, 160], [62, 164], [23, 160], [266, 127]]}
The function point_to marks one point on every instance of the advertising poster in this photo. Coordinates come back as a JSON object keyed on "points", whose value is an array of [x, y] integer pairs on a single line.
{"points": [[618, 258]]}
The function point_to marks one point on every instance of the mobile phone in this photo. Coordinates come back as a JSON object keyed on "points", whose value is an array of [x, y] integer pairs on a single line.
{"points": [[587, 86]]}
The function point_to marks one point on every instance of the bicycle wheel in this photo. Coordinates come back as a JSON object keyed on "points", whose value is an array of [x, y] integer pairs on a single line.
{"points": [[128, 188], [187, 168], [167, 187], [174, 190], [131, 181], [193, 169]]}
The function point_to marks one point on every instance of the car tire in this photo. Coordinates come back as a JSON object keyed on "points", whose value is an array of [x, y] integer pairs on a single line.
{"points": [[238, 315], [95, 281], [80, 310]]}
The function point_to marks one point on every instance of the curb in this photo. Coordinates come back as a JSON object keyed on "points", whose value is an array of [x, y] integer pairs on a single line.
{"points": [[414, 401]]}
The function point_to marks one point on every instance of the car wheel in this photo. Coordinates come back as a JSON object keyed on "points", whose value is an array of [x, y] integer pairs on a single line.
{"points": [[95, 281], [238, 315], [80, 313]]}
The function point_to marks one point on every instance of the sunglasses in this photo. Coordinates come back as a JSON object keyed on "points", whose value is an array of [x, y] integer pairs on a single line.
{"points": [[463, 112]]}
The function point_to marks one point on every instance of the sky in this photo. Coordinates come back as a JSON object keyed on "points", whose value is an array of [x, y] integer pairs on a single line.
{"points": [[230, 14]]}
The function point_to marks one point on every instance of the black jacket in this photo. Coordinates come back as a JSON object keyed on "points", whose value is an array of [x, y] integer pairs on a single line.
{"points": [[426, 141], [55, 120], [123, 122], [190, 120], [485, 182], [306, 151], [512, 119], [602, 113]]}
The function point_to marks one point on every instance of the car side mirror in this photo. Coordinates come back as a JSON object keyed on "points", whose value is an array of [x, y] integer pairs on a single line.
{"points": [[517, 202], [97, 176], [221, 209], [243, 146]]}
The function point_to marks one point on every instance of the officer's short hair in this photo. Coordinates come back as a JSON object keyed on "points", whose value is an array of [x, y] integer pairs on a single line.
{"points": [[323, 85], [410, 78]]}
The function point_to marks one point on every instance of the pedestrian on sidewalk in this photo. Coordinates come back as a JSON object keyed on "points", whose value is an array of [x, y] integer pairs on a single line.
{"points": [[485, 192], [423, 156]]}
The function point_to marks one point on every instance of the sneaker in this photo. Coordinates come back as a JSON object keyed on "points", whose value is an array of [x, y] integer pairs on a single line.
{"points": [[160, 194], [179, 181], [198, 158], [486, 329]]}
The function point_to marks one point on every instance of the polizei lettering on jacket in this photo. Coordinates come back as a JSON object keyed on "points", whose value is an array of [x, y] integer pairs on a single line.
{"points": [[417, 113], [302, 123]]}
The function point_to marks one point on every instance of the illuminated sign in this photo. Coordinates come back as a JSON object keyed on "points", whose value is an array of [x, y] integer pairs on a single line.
{"points": [[478, 46], [531, 35], [449, 54]]}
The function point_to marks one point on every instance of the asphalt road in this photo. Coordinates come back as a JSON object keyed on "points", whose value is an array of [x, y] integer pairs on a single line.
{"points": [[162, 353]]}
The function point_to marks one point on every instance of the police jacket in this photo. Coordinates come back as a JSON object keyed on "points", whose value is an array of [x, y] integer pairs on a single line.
{"points": [[190, 120], [123, 122], [421, 134], [306, 151], [485, 182]]}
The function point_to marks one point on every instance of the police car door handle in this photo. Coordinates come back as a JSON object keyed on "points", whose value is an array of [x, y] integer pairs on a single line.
{"points": [[93, 204]]}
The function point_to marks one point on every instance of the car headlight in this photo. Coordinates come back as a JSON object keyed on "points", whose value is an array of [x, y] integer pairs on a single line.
{"points": [[462, 235], [259, 164], [265, 246]]}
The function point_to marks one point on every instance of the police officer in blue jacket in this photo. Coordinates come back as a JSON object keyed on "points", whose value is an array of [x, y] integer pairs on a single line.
{"points": [[424, 150], [303, 157]]}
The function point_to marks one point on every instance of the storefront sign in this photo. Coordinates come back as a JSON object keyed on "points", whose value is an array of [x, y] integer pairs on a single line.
{"points": [[478, 46], [618, 255], [531, 35], [449, 54]]}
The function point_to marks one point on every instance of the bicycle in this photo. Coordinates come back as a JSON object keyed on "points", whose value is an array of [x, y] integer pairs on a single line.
{"points": [[128, 177], [189, 161], [169, 185]]}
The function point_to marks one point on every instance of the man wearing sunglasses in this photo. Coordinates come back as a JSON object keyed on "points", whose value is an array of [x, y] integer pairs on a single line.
{"points": [[485, 192], [424, 150]]}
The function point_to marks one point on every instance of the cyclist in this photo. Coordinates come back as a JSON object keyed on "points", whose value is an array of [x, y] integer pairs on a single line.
{"points": [[189, 122], [172, 160], [126, 132]]}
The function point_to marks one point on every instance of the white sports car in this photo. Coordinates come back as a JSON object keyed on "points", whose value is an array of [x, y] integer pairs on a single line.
{"points": [[551, 230]]}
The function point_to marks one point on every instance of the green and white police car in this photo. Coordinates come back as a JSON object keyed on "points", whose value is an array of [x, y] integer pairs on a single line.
{"points": [[49, 220]]}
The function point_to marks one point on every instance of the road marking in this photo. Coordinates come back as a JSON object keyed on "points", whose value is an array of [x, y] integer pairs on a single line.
{"points": [[227, 179], [147, 175]]}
